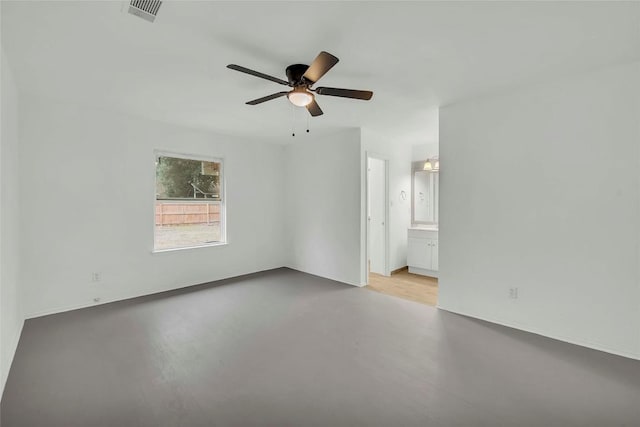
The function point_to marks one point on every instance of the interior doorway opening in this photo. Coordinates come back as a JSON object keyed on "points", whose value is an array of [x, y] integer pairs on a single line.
{"points": [[377, 216], [416, 277]]}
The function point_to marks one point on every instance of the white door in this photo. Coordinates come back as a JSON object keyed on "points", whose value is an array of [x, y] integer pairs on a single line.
{"points": [[376, 216]]}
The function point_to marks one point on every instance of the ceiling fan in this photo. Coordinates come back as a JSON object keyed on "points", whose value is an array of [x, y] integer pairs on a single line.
{"points": [[301, 77]]}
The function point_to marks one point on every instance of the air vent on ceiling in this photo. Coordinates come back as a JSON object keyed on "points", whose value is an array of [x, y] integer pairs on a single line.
{"points": [[145, 9]]}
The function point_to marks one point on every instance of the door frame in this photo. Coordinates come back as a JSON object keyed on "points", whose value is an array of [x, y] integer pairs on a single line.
{"points": [[385, 159]]}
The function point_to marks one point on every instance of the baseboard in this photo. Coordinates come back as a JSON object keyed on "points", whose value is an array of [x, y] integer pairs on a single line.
{"points": [[423, 272], [525, 328], [71, 307], [148, 292], [13, 346], [335, 279], [398, 270], [108, 300]]}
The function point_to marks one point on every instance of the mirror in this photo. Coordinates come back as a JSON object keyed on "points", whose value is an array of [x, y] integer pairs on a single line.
{"points": [[424, 192]]}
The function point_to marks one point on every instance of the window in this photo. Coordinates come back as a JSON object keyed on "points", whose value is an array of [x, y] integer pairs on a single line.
{"points": [[189, 205]]}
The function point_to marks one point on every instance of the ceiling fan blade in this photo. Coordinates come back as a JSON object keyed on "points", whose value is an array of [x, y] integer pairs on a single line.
{"points": [[257, 74], [345, 93], [319, 67], [266, 98], [314, 109]]}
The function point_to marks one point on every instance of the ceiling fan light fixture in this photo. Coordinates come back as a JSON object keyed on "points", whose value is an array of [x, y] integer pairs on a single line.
{"points": [[300, 97]]}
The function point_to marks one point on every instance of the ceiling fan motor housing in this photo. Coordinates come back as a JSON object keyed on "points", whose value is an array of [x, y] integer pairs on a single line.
{"points": [[295, 73]]}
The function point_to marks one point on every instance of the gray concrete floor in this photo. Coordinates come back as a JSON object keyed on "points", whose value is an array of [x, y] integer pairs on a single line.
{"points": [[283, 348]]}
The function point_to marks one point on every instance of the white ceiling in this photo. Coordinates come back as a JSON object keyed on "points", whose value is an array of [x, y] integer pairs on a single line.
{"points": [[415, 56]]}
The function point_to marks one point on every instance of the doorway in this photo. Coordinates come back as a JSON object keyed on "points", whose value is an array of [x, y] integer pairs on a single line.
{"points": [[377, 215], [422, 286]]}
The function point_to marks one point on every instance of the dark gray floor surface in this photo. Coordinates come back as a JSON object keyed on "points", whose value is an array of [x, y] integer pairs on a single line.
{"points": [[283, 348]]}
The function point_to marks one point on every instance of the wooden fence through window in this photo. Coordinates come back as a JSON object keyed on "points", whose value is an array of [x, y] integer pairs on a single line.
{"points": [[177, 213]]}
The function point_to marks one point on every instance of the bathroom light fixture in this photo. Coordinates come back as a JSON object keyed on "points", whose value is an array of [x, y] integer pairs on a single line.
{"points": [[432, 164], [300, 96]]}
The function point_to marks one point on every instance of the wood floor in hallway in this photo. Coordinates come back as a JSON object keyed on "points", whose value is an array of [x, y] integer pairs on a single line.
{"points": [[403, 284]]}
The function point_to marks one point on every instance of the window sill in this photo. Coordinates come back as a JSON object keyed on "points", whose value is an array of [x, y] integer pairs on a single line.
{"points": [[210, 245]]}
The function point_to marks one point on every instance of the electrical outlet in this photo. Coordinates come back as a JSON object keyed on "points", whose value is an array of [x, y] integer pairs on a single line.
{"points": [[96, 277], [513, 293]]}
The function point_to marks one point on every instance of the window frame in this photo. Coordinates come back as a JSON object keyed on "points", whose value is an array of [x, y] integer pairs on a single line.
{"points": [[222, 202]]}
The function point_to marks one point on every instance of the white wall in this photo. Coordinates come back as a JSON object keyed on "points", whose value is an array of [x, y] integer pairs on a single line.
{"points": [[424, 151], [421, 152], [87, 185], [323, 205], [398, 153], [540, 191], [430, 146], [11, 318]]}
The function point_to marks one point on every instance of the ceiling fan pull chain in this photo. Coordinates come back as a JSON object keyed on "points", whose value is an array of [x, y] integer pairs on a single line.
{"points": [[308, 123], [293, 121]]}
